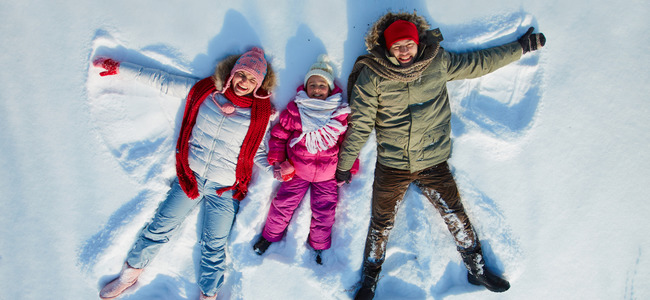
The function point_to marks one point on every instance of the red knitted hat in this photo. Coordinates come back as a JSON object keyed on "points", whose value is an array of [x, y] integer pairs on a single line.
{"points": [[401, 30]]}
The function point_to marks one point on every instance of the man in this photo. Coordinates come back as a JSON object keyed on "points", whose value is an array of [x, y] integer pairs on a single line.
{"points": [[399, 90]]}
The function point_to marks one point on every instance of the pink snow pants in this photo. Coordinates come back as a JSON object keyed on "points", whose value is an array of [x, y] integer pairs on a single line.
{"points": [[324, 197]]}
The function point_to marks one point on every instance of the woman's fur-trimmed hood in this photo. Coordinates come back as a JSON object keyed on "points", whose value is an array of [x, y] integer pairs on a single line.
{"points": [[375, 36], [222, 72]]}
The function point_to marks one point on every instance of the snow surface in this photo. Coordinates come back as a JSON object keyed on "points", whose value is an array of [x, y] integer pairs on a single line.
{"points": [[550, 153]]}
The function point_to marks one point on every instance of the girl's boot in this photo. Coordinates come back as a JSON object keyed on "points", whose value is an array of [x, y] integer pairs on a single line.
{"points": [[261, 245]]}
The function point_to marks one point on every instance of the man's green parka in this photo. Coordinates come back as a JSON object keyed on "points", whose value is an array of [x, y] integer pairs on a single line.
{"points": [[412, 119]]}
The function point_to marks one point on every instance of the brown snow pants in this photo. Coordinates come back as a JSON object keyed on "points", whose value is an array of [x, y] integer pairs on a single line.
{"points": [[438, 185]]}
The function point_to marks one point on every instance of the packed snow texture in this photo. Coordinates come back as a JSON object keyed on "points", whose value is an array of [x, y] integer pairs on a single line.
{"points": [[550, 153]]}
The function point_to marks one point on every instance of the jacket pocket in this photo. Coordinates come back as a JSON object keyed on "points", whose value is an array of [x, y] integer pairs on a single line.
{"points": [[391, 146], [437, 143]]}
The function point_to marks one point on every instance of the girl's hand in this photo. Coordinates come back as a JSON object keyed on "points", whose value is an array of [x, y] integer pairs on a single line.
{"points": [[284, 171], [287, 170], [277, 174], [111, 66]]}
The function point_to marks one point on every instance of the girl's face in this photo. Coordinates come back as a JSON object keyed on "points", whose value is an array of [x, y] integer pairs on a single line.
{"points": [[317, 88], [404, 51], [243, 83]]}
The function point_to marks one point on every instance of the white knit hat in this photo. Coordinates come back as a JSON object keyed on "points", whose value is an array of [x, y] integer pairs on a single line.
{"points": [[322, 68]]}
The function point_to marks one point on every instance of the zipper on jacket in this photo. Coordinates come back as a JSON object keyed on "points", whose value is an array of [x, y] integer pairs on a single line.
{"points": [[317, 161], [213, 146], [407, 151]]}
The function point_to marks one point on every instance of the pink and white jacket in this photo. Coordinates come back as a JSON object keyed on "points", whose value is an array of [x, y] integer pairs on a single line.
{"points": [[313, 148]]}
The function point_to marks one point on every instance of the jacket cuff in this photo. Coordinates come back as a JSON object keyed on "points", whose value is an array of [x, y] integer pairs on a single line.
{"points": [[276, 156], [128, 71], [344, 166]]}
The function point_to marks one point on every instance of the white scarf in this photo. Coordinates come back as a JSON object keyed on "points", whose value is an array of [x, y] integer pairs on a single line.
{"points": [[319, 128]]}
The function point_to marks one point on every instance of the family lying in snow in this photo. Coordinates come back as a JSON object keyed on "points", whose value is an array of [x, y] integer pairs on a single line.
{"points": [[398, 89]]}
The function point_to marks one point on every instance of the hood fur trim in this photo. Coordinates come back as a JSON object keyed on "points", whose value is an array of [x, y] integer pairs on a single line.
{"points": [[375, 36]]}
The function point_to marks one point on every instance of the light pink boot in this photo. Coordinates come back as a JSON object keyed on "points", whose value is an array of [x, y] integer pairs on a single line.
{"points": [[204, 297], [128, 276]]}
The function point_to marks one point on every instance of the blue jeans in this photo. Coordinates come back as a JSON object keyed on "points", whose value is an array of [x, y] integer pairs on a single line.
{"points": [[219, 216]]}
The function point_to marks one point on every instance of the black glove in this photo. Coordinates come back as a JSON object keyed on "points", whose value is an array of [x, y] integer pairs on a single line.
{"points": [[342, 176], [532, 41]]}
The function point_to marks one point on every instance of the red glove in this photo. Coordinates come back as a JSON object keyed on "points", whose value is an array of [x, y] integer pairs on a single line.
{"points": [[283, 171], [112, 66]]}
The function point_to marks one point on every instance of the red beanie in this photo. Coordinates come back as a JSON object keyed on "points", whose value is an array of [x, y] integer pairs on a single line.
{"points": [[401, 30]]}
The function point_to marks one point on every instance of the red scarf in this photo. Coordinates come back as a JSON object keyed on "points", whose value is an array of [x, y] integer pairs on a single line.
{"points": [[260, 114]]}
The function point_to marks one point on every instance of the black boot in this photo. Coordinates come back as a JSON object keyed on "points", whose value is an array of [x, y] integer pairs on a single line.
{"points": [[479, 274], [261, 245], [319, 256], [368, 285]]}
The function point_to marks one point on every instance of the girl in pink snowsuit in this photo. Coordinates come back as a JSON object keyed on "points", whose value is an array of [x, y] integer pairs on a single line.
{"points": [[306, 140]]}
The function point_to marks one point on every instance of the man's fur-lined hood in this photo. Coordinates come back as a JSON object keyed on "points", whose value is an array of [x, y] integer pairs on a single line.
{"points": [[222, 72], [375, 36]]}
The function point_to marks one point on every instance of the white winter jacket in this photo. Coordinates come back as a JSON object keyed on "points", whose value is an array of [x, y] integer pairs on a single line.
{"points": [[216, 138]]}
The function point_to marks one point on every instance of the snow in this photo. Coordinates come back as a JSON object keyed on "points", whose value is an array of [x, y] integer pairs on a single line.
{"points": [[549, 152]]}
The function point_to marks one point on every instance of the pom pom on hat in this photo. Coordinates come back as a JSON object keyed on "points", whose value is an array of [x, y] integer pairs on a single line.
{"points": [[252, 62], [322, 68], [401, 30]]}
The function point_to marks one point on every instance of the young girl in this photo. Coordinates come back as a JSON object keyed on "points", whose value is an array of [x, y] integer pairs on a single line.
{"points": [[307, 140], [221, 136]]}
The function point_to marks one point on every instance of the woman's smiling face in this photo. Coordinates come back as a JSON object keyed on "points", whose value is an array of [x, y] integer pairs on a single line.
{"points": [[243, 83]]}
